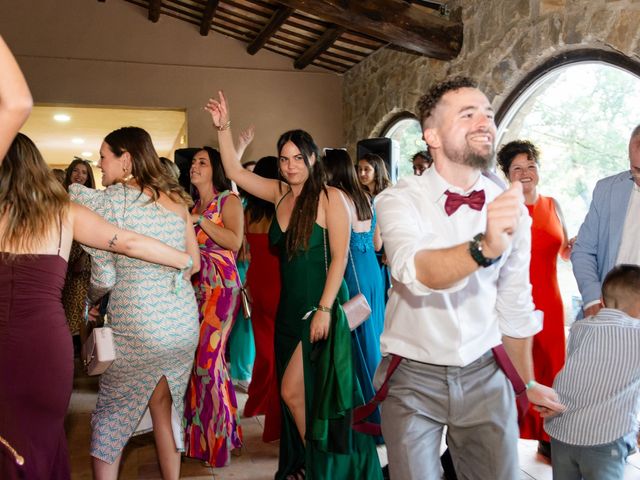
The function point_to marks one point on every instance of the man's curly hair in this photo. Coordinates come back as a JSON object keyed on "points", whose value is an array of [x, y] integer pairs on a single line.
{"points": [[428, 102]]}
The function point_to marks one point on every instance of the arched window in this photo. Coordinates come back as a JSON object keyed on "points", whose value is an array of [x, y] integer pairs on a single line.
{"points": [[579, 110], [406, 130]]}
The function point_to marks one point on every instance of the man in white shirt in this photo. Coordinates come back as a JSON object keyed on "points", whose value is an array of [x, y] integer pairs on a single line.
{"points": [[459, 250], [609, 234]]}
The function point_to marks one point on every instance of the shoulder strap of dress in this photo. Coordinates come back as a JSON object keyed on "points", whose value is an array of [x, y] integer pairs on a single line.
{"points": [[60, 229], [282, 198]]}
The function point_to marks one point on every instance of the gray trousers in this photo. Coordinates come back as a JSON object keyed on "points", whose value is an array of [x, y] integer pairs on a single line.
{"points": [[475, 402]]}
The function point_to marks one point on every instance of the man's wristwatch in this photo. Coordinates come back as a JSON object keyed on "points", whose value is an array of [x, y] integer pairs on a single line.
{"points": [[475, 249]]}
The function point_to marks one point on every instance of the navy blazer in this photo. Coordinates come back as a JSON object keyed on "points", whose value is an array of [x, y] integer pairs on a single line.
{"points": [[596, 248]]}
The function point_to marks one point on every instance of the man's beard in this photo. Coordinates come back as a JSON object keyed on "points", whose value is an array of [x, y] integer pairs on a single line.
{"points": [[477, 160], [471, 158]]}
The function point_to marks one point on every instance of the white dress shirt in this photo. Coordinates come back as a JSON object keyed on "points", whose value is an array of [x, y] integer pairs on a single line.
{"points": [[457, 325], [629, 246]]}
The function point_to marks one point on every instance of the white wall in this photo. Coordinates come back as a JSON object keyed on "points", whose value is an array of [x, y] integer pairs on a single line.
{"points": [[84, 52]]}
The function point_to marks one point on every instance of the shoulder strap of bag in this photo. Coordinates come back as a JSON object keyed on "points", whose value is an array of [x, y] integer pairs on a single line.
{"points": [[505, 364], [359, 423]]}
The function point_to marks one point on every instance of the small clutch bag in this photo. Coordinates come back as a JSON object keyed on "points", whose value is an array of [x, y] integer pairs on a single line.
{"points": [[357, 310], [98, 351]]}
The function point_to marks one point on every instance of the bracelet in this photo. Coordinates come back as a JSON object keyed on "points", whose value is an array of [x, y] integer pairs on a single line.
{"points": [[224, 126], [200, 219], [322, 308], [530, 384]]}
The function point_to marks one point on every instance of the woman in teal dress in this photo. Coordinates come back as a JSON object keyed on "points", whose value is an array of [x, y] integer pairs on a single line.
{"points": [[312, 340], [362, 272]]}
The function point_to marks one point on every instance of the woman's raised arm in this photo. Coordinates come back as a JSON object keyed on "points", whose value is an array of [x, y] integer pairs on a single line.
{"points": [[15, 99], [264, 188], [92, 230]]}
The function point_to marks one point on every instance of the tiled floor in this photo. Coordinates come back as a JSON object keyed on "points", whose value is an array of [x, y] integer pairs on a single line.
{"points": [[256, 460]]}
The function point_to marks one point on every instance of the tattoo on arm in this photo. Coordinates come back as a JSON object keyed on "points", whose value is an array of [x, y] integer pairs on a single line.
{"points": [[112, 242]]}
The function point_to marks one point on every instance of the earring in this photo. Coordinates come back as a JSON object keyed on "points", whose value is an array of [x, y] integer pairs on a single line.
{"points": [[126, 175]]}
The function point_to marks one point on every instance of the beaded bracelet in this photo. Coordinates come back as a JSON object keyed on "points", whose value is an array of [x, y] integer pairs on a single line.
{"points": [[530, 384], [224, 126], [200, 219], [322, 308]]}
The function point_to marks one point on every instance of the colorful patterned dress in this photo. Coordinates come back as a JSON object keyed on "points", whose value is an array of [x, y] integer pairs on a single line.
{"points": [[153, 314], [76, 286], [211, 414]]}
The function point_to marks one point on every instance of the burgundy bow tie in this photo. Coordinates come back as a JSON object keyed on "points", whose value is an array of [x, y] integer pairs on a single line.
{"points": [[475, 200]]}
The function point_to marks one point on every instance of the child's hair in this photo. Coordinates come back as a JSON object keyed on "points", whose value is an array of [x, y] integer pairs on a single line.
{"points": [[621, 287]]}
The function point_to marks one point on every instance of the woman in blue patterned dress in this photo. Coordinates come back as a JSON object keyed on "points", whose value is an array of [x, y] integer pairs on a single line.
{"points": [[152, 311], [362, 272]]}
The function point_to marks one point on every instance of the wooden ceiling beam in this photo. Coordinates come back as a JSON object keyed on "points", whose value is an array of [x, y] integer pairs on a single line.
{"points": [[325, 41], [394, 21], [277, 20], [154, 10], [207, 17]]}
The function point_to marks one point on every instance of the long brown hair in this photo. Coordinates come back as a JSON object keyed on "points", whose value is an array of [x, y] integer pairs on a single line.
{"points": [[256, 208], [32, 200], [342, 175], [146, 167], [89, 182], [380, 174], [305, 209]]}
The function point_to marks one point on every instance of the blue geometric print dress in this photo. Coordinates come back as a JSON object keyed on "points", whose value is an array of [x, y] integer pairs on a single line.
{"points": [[153, 313]]}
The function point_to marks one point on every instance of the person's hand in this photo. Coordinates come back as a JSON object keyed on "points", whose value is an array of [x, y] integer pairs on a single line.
{"points": [[319, 329], [218, 110], [545, 400], [503, 216], [245, 138], [93, 313], [571, 242], [592, 310]]}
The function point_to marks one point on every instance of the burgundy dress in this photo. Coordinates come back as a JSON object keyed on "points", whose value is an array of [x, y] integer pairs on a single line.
{"points": [[263, 279], [36, 367]]}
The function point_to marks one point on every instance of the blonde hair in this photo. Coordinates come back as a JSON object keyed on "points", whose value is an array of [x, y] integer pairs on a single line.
{"points": [[32, 201]]}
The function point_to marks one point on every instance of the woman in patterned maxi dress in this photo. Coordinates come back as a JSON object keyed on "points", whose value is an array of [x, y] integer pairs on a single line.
{"points": [[152, 311], [211, 414]]}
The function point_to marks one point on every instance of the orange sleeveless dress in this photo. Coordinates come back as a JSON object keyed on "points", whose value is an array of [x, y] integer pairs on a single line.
{"points": [[548, 344]]}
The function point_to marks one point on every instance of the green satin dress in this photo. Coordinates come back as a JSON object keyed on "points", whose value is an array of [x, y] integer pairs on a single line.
{"points": [[333, 450]]}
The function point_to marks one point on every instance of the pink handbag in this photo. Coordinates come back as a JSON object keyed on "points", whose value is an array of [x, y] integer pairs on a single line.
{"points": [[98, 351], [356, 309]]}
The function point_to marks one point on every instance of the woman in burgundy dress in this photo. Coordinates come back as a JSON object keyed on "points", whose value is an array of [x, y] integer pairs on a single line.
{"points": [[263, 279], [37, 226]]}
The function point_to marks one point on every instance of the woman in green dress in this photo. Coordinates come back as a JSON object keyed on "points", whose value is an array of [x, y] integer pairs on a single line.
{"points": [[312, 339]]}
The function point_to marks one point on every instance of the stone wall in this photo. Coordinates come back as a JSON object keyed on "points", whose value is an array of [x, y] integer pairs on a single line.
{"points": [[503, 41]]}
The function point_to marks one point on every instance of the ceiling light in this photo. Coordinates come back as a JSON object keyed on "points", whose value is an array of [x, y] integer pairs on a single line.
{"points": [[86, 154], [77, 141], [61, 117]]}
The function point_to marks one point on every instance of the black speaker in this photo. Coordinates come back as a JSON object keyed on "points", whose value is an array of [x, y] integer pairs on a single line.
{"points": [[182, 158], [386, 148]]}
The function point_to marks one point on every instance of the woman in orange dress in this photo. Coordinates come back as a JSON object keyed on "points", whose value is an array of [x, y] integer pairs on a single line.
{"points": [[519, 162]]}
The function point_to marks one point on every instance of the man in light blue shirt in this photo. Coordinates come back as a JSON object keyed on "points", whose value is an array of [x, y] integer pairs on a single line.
{"points": [[600, 386]]}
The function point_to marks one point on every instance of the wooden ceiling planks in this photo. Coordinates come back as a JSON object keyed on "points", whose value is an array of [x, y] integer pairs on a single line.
{"points": [[331, 34]]}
